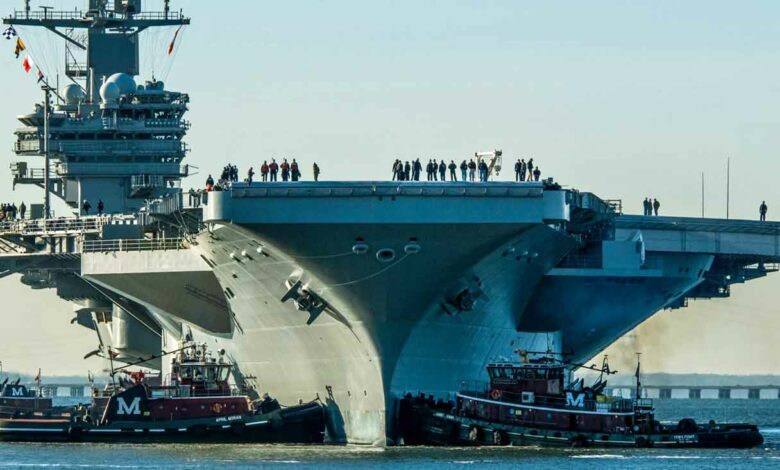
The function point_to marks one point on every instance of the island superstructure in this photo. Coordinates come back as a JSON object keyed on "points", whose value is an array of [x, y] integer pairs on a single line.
{"points": [[355, 292]]}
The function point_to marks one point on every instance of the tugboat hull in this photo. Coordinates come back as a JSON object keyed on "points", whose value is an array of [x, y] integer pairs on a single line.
{"points": [[302, 424], [426, 423]]}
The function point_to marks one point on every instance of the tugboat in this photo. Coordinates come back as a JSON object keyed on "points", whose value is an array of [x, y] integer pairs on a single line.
{"points": [[196, 404], [16, 400], [528, 403]]}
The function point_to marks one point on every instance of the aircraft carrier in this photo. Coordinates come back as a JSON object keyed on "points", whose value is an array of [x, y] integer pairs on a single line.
{"points": [[353, 292]]}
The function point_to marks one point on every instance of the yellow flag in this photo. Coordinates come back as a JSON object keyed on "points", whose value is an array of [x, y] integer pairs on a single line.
{"points": [[19, 46]]}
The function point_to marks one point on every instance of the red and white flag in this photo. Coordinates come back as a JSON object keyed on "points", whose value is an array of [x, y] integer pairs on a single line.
{"points": [[28, 64], [173, 43]]}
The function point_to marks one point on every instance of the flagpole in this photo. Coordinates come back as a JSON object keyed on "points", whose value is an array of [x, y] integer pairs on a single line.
{"points": [[38, 385], [638, 384], [111, 361]]}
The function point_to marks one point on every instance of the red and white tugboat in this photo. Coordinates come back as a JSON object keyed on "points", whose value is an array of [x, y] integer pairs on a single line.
{"points": [[528, 403], [196, 404]]}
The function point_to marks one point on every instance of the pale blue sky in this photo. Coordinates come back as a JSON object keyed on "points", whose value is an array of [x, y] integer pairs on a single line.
{"points": [[624, 99]]}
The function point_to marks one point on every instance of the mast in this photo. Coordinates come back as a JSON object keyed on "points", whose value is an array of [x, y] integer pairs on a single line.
{"points": [[638, 382], [46, 197], [93, 150], [728, 185]]}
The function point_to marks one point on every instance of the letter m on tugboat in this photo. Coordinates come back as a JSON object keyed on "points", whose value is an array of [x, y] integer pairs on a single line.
{"points": [[575, 401], [134, 408], [131, 402]]}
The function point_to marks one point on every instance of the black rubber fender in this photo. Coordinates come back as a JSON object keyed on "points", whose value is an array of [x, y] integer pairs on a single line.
{"points": [[500, 438], [475, 434]]}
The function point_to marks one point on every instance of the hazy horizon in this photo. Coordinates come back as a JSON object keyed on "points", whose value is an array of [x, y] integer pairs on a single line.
{"points": [[626, 100]]}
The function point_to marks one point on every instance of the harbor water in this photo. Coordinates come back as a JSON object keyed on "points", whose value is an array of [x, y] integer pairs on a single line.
{"points": [[765, 413]]}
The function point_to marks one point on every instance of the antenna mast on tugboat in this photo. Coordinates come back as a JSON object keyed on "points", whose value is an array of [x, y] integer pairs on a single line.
{"points": [[638, 382]]}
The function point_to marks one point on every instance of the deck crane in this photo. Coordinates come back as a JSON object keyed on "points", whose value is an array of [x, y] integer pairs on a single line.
{"points": [[494, 160]]}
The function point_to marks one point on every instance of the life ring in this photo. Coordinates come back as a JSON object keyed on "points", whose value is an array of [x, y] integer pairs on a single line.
{"points": [[216, 407], [495, 394]]}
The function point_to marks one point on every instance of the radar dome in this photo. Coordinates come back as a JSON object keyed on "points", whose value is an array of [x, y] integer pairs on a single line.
{"points": [[109, 92], [124, 81], [73, 94]]}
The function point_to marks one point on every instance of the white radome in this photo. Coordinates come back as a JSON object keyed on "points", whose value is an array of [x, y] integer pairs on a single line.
{"points": [[73, 94], [109, 92], [124, 81]]}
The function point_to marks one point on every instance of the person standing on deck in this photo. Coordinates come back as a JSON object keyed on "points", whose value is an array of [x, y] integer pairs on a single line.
{"points": [[316, 171], [295, 171], [761, 211], [264, 171]]}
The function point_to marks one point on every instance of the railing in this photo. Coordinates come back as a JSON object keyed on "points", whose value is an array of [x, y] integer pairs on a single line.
{"points": [[64, 225], [153, 244], [27, 146], [610, 404], [146, 181], [135, 147], [165, 123], [49, 15], [121, 169], [30, 174], [581, 261]]}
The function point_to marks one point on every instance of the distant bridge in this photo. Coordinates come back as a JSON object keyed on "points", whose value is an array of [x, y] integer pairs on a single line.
{"points": [[71, 390]]}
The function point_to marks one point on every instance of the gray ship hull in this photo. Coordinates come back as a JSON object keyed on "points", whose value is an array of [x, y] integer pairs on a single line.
{"points": [[390, 327], [390, 333]]}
